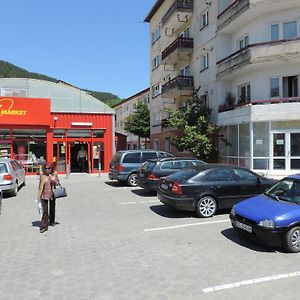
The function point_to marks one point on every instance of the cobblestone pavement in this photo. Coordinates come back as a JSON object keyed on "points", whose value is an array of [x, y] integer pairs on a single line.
{"points": [[112, 243]]}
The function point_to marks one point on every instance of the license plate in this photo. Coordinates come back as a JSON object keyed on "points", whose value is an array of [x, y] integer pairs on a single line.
{"points": [[243, 226], [164, 186]]}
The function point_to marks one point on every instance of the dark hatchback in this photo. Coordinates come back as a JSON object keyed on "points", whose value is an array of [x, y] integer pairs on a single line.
{"points": [[210, 187], [151, 171]]}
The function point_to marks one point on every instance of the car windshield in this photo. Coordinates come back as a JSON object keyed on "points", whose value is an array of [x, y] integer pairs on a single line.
{"points": [[3, 168], [182, 176], [287, 189]]}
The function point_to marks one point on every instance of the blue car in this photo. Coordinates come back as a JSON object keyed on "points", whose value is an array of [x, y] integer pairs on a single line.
{"points": [[272, 218]]}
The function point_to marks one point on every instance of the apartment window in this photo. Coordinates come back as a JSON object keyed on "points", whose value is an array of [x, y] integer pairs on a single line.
{"points": [[204, 62], [290, 86], [274, 87], [156, 61], [185, 33], [146, 100], [156, 144], [244, 42], [185, 71], [167, 145], [204, 20], [156, 35], [289, 30], [157, 119], [156, 90], [244, 93]]}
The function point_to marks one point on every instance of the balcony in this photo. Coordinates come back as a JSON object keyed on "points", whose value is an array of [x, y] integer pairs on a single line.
{"points": [[180, 49], [179, 86], [178, 14], [255, 55], [233, 11], [260, 111]]}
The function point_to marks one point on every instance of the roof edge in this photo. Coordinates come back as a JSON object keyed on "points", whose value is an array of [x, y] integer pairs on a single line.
{"points": [[154, 9]]}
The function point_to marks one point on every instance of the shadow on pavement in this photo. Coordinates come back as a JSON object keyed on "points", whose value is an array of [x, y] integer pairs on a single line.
{"points": [[116, 184], [239, 239], [36, 224], [144, 193], [170, 213]]}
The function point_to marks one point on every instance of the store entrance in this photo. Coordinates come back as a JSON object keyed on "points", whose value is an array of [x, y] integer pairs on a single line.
{"points": [[79, 157]]}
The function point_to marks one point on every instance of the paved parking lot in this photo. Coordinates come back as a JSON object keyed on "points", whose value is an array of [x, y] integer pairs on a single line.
{"points": [[116, 242]]}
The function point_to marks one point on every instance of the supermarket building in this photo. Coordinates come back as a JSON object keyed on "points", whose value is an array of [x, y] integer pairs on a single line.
{"points": [[47, 121]]}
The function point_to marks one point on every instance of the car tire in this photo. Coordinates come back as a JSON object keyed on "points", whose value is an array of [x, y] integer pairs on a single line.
{"points": [[292, 240], [206, 207], [14, 191], [132, 180]]}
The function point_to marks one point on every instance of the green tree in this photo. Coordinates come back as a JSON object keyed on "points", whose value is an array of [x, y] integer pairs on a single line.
{"points": [[138, 123], [197, 132]]}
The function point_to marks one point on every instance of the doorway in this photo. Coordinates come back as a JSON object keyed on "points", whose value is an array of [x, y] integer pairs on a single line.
{"points": [[79, 166]]}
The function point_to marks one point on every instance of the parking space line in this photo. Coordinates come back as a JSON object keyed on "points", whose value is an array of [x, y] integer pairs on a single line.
{"points": [[185, 225], [139, 202], [250, 282]]}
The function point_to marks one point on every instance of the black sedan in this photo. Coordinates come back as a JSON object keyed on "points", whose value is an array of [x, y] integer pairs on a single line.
{"points": [[210, 187], [153, 169]]}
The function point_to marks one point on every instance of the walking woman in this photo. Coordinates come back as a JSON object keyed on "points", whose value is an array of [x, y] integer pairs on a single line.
{"points": [[48, 181]]}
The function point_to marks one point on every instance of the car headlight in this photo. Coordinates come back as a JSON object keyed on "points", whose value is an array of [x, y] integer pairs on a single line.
{"points": [[267, 224], [233, 211]]}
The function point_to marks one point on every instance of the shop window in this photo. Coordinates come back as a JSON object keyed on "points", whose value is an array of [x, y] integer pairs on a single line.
{"points": [[244, 140], [98, 133], [59, 133], [5, 143], [261, 139], [77, 133], [233, 140]]}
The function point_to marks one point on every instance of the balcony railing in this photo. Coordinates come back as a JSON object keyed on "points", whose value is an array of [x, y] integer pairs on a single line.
{"points": [[180, 42], [235, 9], [179, 83], [243, 55], [185, 5], [224, 107]]}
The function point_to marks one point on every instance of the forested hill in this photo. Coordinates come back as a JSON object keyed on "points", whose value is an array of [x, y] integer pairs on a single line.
{"points": [[8, 70]]}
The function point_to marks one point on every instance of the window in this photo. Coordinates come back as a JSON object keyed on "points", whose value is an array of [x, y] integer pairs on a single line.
{"points": [[156, 144], [244, 93], [164, 154], [148, 155], [274, 87], [244, 175], [156, 61], [275, 32], [289, 30], [3, 168], [204, 20], [167, 145], [132, 158], [157, 119], [244, 42], [166, 166], [9, 92], [185, 71], [185, 33], [205, 62], [156, 90], [156, 35], [220, 174]]}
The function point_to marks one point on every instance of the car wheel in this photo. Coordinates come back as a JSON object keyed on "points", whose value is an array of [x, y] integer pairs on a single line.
{"points": [[292, 240], [206, 207], [14, 191], [131, 180]]}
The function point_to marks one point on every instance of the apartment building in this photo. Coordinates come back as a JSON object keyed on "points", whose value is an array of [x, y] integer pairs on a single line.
{"points": [[124, 110], [244, 57]]}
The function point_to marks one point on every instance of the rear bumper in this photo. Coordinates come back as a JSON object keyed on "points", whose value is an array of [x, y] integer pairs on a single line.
{"points": [[149, 184], [186, 204], [117, 176], [6, 186], [269, 237]]}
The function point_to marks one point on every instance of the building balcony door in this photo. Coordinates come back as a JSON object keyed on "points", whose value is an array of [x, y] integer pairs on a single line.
{"points": [[286, 150]]}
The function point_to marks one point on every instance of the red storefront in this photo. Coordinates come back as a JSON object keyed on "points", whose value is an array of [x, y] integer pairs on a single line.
{"points": [[31, 133]]}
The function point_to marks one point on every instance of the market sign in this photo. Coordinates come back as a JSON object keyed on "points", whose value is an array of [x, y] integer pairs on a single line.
{"points": [[24, 111]]}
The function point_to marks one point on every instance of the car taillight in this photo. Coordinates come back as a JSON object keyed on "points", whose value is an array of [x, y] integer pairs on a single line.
{"points": [[176, 188], [7, 177], [121, 168], [152, 177]]}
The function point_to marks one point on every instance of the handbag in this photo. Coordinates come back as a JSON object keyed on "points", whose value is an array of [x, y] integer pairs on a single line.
{"points": [[59, 192]]}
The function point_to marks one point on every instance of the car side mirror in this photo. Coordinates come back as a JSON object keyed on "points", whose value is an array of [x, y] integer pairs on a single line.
{"points": [[258, 180]]}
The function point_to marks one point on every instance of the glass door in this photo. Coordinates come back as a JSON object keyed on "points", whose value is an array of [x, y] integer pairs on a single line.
{"points": [[279, 151], [295, 151]]}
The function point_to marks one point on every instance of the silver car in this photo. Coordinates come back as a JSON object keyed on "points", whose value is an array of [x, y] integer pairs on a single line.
{"points": [[12, 176]]}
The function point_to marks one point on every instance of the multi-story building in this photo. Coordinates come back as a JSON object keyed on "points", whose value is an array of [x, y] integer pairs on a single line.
{"points": [[124, 110], [244, 57]]}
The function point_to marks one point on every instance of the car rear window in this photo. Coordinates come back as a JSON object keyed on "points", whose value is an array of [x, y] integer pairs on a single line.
{"points": [[149, 165], [182, 176], [116, 158], [3, 168], [133, 158]]}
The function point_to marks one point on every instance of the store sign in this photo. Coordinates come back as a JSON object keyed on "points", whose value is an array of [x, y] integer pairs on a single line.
{"points": [[24, 111]]}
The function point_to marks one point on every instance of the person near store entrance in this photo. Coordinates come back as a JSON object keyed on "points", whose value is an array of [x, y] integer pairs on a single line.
{"points": [[48, 180], [81, 158]]}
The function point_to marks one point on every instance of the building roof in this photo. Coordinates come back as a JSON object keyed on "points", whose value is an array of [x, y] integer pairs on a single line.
{"points": [[132, 97], [154, 9]]}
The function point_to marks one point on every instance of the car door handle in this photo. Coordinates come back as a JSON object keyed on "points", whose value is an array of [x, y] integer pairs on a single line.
{"points": [[215, 187]]}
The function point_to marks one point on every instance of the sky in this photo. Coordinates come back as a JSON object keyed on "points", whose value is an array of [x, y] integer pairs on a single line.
{"points": [[93, 44]]}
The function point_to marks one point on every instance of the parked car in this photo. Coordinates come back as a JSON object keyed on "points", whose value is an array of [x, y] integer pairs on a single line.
{"points": [[125, 164], [210, 187], [272, 218], [12, 176], [152, 170]]}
